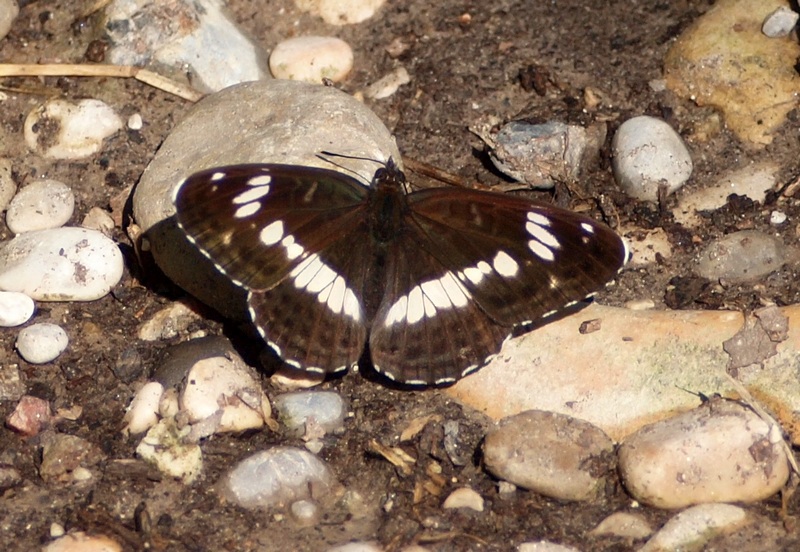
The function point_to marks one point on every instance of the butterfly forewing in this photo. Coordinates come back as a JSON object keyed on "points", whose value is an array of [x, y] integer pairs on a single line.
{"points": [[519, 259], [249, 219]]}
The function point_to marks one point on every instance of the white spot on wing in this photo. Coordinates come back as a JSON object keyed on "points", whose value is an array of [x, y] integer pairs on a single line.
{"points": [[539, 219], [314, 276], [252, 194], [262, 180], [219, 175], [424, 299], [588, 228], [541, 250], [505, 265], [247, 210], [293, 250], [272, 233], [542, 234]]}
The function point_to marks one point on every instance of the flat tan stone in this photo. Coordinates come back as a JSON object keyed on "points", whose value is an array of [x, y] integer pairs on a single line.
{"points": [[724, 60], [639, 367]]}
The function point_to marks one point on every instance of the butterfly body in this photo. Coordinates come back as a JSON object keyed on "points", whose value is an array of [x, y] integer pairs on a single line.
{"points": [[433, 280]]}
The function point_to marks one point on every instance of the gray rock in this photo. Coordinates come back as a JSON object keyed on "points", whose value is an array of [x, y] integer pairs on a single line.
{"points": [[552, 454], [277, 477], [649, 154], [719, 452], [741, 256]]}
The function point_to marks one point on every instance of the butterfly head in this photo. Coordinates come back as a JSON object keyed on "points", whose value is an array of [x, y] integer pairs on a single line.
{"points": [[389, 176]]}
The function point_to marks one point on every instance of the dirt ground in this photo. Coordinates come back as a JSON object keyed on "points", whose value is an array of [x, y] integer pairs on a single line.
{"points": [[513, 59]]}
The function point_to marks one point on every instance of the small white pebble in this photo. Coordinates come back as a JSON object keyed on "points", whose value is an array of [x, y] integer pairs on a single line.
{"points": [[337, 12], [81, 474], [40, 205], [15, 308], [464, 498], [649, 154], [780, 22], [135, 122], [98, 219], [56, 530], [326, 409], [81, 542], [777, 217], [311, 59], [41, 343], [640, 304], [142, 413], [388, 84], [305, 512], [80, 128]]}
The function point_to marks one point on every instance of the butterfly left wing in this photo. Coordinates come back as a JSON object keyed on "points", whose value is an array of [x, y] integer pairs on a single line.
{"points": [[286, 234]]}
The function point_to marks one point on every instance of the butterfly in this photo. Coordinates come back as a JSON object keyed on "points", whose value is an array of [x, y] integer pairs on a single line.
{"points": [[431, 282]]}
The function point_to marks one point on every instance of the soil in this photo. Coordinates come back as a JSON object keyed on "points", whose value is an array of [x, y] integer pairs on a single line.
{"points": [[512, 59]]}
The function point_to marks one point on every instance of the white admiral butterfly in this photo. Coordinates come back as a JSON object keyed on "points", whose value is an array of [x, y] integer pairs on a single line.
{"points": [[431, 282]]}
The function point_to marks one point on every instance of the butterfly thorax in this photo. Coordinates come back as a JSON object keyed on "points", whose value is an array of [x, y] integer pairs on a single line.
{"points": [[387, 204]]}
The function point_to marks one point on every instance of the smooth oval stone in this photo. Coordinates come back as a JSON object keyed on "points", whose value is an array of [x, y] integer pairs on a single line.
{"points": [[741, 256], [719, 452], [552, 454], [648, 154], [311, 59], [60, 264], [40, 205], [296, 409], [41, 343], [277, 477], [15, 308], [693, 528]]}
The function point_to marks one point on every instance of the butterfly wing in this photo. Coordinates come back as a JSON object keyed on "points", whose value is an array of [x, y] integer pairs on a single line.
{"points": [[482, 263], [286, 234], [428, 330]]}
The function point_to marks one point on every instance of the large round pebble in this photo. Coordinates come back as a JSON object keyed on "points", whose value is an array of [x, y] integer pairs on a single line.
{"points": [[741, 256], [719, 452], [274, 121], [40, 205], [693, 528], [552, 454], [277, 477], [15, 308], [41, 343], [649, 154], [64, 130], [325, 409], [60, 264], [311, 59]]}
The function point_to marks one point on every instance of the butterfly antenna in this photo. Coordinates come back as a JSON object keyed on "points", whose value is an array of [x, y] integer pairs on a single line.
{"points": [[325, 156]]}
